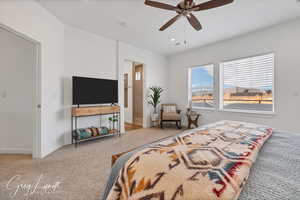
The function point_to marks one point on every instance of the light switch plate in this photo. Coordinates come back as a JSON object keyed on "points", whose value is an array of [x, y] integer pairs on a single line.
{"points": [[3, 94]]}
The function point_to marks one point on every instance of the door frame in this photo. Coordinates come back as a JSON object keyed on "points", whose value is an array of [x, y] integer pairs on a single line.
{"points": [[36, 145], [144, 86]]}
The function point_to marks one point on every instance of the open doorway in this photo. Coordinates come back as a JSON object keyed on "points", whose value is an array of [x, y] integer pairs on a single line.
{"points": [[19, 95], [133, 95]]}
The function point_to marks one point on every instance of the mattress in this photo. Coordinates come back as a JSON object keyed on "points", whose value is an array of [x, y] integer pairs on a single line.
{"points": [[273, 176]]}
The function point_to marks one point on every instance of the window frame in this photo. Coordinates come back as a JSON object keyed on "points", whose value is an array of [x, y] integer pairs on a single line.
{"points": [[221, 87], [215, 93]]}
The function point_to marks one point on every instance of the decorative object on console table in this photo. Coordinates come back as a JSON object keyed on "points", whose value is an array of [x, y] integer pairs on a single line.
{"points": [[80, 135], [112, 121], [104, 131], [192, 117], [115, 125]]}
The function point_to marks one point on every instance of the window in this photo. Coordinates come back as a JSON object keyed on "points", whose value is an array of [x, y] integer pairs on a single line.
{"points": [[138, 76], [247, 84], [201, 86]]}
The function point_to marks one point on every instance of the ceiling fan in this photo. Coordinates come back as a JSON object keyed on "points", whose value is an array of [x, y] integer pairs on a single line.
{"points": [[186, 8]]}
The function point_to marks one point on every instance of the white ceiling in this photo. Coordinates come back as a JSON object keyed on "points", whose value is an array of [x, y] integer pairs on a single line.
{"points": [[133, 22]]}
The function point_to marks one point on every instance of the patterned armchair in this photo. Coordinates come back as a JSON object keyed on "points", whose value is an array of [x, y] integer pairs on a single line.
{"points": [[170, 113]]}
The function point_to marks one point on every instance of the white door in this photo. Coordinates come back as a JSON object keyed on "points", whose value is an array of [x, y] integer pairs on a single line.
{"points": [[17, 93]]}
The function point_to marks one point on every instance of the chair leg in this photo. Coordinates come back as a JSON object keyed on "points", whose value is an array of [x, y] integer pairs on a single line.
{"points": [[177, 124], [161, 124], [180, 127]]}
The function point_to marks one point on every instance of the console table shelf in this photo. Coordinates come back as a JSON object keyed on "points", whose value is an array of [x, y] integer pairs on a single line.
{"points": [[79, 112]]}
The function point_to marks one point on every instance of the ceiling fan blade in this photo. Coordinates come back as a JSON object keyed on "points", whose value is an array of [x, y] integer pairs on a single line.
{"points": [[211, 4], [169, 23], [160, 5], [194, 22]]}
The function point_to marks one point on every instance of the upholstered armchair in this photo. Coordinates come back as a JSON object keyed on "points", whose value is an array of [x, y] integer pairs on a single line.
{"points": [[170, 113]]}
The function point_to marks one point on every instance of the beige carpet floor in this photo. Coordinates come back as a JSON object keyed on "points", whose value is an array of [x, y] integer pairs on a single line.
{"points": [[82, 172]]}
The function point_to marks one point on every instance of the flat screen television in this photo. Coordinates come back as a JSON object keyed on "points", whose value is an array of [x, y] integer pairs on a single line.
{"points": [[94, 91]]}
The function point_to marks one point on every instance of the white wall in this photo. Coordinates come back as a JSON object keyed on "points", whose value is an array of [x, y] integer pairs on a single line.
{"points": [[86, 55], [283, 40], [128, 112], [156, 74], [32, 20], [17, 109], [91, 55]]}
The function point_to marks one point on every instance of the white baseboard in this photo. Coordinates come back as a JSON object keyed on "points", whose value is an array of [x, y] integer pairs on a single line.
{"points": [[15, 151]]}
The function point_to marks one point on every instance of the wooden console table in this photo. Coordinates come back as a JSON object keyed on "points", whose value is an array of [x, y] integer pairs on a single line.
{"points": [[79, 112]]}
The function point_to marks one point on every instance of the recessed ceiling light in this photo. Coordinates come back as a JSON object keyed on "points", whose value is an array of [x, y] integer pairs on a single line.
{"points": [[123, 24], [173, 39]]}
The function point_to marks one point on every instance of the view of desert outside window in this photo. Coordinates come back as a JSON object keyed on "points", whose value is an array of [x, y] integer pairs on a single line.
{"points": [[247, 84], [202, 79]]}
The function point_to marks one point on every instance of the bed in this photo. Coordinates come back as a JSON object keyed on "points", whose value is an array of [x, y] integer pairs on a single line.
{"points": [[273, 176]]}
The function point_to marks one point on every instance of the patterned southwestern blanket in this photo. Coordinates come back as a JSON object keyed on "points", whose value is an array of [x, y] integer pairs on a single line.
{"points": [[208, 164]]}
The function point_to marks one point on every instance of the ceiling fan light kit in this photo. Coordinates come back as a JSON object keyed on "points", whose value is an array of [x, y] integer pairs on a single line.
{"points": [[185, 9]]}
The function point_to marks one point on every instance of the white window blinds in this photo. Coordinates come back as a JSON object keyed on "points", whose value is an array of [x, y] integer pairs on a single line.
{"points": [[247, 84], [254, 72]]}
